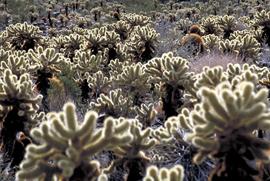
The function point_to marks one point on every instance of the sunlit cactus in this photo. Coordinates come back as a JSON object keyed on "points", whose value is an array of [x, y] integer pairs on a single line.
{"points": [[134, 81], [136, 20], [222, 126], [71, 44], [46, 64], [23, 36], [175, 173], [99, 83], [211, 42], [114, 104], [143, 42], [96, 13], [132, 155], [63, 147], [210, 26], [229, 46], [17, 64], [249, 49], [19, 102], [172, 73], [183, 25], [95, 39], [146, 114], [263, 19], [210, 77], [123, 29], [227, 24], [84, 65]]}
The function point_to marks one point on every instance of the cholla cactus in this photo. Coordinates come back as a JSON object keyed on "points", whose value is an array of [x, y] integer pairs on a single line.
{"points": [[97, 13], [4, 55], [99, 83], [142, 44], [58, 43], [263, 19], [246, 47], [134, 81], [146, 114], [46, 63], [115, 104], [3, 40], [132, 155], [210, 26], [23, 36], [175, 173], [19, 102], [105, 41], [116, 67], [222, 126], [64, 148], [235, 73], [85, 64], [227, 24], [136, 20], [229, 46], [17, 64], [123, 29], [172, 73], [211, 42], [166, 133], [210, 77], [72, 43], [110, 45], [183, 25], [95, 39], [249, 48]]}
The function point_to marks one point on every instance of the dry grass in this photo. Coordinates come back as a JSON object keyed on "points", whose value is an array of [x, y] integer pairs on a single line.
{"points": [[213, 59]]}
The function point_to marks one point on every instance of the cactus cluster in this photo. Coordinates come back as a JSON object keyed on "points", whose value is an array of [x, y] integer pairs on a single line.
{"points": [[128, 90]]}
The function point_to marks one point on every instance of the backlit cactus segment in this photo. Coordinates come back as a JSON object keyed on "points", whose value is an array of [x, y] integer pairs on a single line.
{"points": [[63, 148]]}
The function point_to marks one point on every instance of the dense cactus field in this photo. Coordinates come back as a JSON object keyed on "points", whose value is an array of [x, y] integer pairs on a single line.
{"points": [[143, 90]]}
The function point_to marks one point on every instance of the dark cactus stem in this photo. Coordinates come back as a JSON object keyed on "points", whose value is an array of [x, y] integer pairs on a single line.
{"points": [[118, 10], [116, 16], [94, 50], [266, 35], [172, 100], [29, 44], [148, 53], [112, 54], [137, 99], [136, 169], [66, 10], [260, 133], [32, 19], [233, 167], [43, 85], [77, 5], [12, 124], [95, 17], [73, 6], [50, 19], [18, 151], [227, 34], [5, 5], [85, 90], [84, 172], [236, 158]]}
